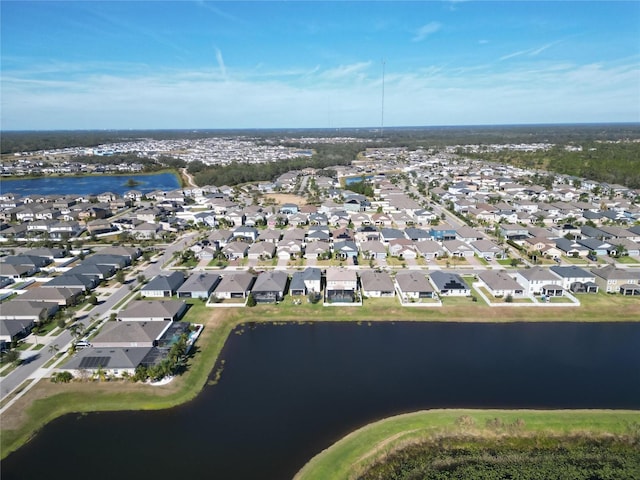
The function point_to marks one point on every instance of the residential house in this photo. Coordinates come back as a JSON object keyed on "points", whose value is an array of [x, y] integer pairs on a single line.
{"points": [[247, 234], [429, 249], [235, 285], [83, 282], [270, 235], [270, 286], [109, 361], [373, 249], [235, 250], [539, 281], [29, 311], [153, 311], [261, 251], [376, 284], [342, 285], [388, 234], [456, 248], [500, 284], [306, 281], [402, 248], [317, 250], [449, 284], [130, 334], [13, 330], [63, 296], [198, 285], [487, 249], [417, 234], [576, 279], [413, 285], [442, 232], [612, 279], [345, 249], [163, 285]]}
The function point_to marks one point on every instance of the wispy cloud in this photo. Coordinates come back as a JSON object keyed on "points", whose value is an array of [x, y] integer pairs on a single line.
{"points": [[220, 60], [531, 52], [426, 30], [527, 92]]}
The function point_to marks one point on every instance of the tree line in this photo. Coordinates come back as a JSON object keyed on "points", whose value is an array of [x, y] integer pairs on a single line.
{"points": [[611, 163]]}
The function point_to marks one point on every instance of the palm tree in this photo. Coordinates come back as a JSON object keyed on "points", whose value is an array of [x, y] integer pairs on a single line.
{"points": [[53, 349]]}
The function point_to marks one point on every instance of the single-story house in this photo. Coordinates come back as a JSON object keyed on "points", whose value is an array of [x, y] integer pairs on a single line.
{"points": [[163, 285], [376, 284], [153, 311], [500, 284], [11, 330], [28, 311], [111, 361], [261, 250], [63, 296], [235, 285], [413, 284], [270, 286], [449, 284], [198, 285], [130, 334]]}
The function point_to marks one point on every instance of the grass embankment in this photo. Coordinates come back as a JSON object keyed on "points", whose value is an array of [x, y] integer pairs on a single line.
{"points": [[353, 454], [47, 401]]}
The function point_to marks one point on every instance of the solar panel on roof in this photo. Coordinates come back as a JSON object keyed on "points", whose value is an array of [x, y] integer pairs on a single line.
{"points": [[94, 362]]}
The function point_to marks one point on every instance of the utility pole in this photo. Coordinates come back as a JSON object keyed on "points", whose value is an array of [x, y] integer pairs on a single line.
{"points": [[382, 105]]}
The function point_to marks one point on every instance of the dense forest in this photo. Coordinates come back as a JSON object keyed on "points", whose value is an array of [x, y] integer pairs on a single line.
{"points": [[534, 458], [603, 162]]}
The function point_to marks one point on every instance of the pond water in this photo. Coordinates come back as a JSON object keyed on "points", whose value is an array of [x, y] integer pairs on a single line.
{"points": [[287, 392], [90, 185]]}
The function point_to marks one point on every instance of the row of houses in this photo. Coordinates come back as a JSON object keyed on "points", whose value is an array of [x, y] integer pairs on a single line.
{"points": [[53, 279], [342, 285]]}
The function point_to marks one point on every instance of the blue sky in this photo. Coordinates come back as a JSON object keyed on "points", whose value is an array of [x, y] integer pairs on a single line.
{"points": [[160, 64]]}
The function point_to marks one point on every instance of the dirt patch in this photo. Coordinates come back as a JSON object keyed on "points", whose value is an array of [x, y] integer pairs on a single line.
{"points": [[282, 198]]}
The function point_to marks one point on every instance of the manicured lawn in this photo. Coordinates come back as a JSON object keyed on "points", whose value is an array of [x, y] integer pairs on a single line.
{"points": [[350, 455], [627, 260]]}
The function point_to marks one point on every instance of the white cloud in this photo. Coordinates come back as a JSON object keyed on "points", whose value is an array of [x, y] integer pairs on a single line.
{"points": [[535, 92], [426, 30]]}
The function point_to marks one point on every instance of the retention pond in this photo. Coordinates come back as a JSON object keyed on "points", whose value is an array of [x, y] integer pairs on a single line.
{"points": [[289, 391]]}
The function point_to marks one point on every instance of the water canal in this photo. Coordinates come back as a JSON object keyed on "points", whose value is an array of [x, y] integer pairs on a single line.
{"points": [[289, 391]]}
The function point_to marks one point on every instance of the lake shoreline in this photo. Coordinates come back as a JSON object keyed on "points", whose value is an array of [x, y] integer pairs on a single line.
{"points": [[49, 401]]}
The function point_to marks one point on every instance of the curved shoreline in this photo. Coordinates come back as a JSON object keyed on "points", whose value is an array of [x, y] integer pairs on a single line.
{"points": [[362, 447], [49, 401]]}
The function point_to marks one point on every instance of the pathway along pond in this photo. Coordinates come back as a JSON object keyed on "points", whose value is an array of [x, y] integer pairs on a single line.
{"points": [[289, 391]]}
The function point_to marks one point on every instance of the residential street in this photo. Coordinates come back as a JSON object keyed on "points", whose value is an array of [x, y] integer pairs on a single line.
{"points": [[33, 369]]}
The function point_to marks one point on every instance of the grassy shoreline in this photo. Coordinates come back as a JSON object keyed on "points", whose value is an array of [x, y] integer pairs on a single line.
{"points": [[47, 401], [352, 454]]}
